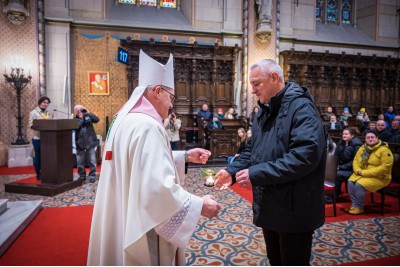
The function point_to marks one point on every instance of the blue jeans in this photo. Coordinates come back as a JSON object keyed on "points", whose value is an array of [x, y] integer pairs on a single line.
{"points": [[36, 159], [81, 156], [357, 194]]}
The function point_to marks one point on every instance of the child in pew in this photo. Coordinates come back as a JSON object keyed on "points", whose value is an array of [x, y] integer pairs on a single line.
{"points": [[241, 144]]}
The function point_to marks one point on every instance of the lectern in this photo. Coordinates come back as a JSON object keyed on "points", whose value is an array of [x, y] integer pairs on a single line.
{"points": [[56, 159]]}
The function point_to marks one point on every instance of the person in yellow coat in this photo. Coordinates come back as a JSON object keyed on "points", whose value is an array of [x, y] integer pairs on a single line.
{"points": [[372, 170]]}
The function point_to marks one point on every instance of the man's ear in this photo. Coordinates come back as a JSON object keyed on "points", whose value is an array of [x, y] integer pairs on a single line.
{"points": [[275, 77], [157, 91]]}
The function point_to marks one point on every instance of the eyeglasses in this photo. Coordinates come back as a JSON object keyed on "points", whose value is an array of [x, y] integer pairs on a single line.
{"points": [[172, 95], [371, 137]]}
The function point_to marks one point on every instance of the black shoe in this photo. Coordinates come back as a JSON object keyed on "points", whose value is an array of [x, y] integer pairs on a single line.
{"points": [[38, 177], [83, 178], [92, 180]]}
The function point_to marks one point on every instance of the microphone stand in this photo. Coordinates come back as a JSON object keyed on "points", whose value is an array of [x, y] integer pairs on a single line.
{"points": [[56, 110]]}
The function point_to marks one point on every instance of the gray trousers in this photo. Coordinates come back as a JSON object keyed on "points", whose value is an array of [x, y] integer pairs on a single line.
{"points": [[81, 156]]}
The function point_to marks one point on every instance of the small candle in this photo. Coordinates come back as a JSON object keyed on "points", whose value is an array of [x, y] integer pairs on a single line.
{"points": [[210, 181]]}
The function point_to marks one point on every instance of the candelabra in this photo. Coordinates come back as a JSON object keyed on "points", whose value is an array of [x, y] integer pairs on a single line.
{"points": [[18, 81]]}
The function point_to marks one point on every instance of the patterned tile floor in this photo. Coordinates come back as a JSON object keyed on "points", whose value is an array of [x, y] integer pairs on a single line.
{"points": [[232, 239]]}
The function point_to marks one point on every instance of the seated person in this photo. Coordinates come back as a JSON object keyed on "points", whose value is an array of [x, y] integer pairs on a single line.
{"points": [[371, 126], [345, 116], [252, 116], [383, 133], [214, 124], [204, 112], [328, 114], [372, 170], [334, 124], [360, 115], [220, 114], [240, 143], [394, 130], [382, 117], [346, 150], [365, 122], [230, 114], [389, 114], [249, 134]]}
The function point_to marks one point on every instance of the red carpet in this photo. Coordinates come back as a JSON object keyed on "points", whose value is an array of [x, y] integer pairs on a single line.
{"points": [[4, 170], [30, 170], [69, 227], [372, 210], [388, 261]]}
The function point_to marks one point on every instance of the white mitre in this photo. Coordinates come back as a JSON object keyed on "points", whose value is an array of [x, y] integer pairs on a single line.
{"points": [[151, 72]]}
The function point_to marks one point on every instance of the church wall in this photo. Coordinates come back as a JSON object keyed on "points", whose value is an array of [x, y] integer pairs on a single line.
{"points": [[209, 14], [388, 24], [233, 12], [56, 8], [297, 19], [258, 50], [186, 7], [303, 19], [366, 17], [99, 55], [18, 40], [57, 67]]}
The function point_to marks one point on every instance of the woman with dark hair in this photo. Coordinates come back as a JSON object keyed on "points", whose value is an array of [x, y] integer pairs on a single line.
{"points": [[252, 116], [39, 113], [372, 170], [346, 149]]}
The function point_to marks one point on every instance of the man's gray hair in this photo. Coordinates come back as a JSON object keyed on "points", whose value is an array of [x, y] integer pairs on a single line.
{"points": [[268, 66]]}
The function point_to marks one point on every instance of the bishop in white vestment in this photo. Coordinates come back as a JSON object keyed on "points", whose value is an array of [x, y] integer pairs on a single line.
{"points": [[142, 214]]}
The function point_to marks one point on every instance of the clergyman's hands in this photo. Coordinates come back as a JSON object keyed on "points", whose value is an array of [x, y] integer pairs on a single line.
{"points": [[222, 180], [198, 155], [211, 207]]}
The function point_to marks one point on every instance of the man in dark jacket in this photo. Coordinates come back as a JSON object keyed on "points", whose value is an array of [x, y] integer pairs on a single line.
{"points": [[86, 142], [285, 164]]}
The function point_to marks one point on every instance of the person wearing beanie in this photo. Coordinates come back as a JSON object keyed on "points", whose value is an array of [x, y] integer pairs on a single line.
{"points": [[214, 124], [220, 114], [360, 115], [345, 116]]}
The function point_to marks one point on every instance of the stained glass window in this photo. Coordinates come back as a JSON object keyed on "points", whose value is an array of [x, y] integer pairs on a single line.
{"points": [[346, 12], [161, 3], [168, 3], [319, 11], [148, 2], [331, 11], [133, 2]]}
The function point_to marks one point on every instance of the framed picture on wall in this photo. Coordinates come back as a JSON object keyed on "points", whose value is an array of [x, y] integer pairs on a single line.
{"points": [[99, 82]]}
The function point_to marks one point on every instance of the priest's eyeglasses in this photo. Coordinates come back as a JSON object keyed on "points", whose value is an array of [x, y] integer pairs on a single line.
{"points": [[165, 89]]}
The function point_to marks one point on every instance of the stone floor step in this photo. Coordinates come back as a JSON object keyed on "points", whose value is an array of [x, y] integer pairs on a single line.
{"points": [[15, 219]]}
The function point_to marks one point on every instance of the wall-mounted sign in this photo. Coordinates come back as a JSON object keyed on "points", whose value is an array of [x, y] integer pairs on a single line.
{"points": [[123, 56]]}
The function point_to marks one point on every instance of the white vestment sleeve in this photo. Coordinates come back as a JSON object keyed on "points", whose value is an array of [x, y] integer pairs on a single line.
{"points": [[179, 159], [180, 227]]}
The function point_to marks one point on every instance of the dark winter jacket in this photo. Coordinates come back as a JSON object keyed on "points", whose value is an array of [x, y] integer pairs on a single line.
{"points": [[286, 162], [85, 136], [346, 153]]}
